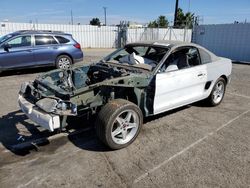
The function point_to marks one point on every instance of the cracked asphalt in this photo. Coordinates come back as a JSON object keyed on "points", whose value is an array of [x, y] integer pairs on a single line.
{"points": [[193, 146]]}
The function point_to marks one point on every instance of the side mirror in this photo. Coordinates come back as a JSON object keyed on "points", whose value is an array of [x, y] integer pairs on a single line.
{"points": [[6, 47], [171, 68]]}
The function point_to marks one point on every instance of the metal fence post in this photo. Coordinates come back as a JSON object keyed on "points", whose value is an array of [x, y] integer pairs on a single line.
{"points": [[170, 34], [185, 30]]}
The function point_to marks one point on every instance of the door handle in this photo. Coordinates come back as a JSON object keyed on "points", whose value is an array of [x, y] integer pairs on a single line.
{"points": [[201, 74], [29, 50]]}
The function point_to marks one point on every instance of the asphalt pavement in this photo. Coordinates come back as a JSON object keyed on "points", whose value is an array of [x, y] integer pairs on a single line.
{"points": [[193, 146]]}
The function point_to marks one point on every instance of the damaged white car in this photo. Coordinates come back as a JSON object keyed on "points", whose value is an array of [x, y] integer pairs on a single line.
{"points": [[142, 79]]}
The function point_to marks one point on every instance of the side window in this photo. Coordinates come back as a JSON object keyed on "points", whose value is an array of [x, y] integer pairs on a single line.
{"points": [[62, 40], [156, 53], [181, 59], [177, 60], [205, 57], [44, 40], [21, 41], [193, 57]]}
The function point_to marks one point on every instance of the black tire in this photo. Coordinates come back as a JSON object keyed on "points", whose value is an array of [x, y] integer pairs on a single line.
{"points": [[210, 100], [107, 120], [63, 62]]}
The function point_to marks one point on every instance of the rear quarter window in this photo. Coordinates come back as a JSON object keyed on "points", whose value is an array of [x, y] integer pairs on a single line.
{"points": [[205, 56], [62, 40]]}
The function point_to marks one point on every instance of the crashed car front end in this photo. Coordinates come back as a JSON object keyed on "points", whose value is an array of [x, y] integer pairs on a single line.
{"points": [[54, 96], [46, 111], [48, 121]]}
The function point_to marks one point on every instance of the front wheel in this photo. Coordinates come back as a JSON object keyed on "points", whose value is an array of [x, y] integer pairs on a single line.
{"points": [[119, 123], [63, 62], [218, 92]]}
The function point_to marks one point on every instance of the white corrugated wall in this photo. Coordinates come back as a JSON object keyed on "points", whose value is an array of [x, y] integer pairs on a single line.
{"points": [[227, 40], [159, 34], [87, 35], [102, 37]]}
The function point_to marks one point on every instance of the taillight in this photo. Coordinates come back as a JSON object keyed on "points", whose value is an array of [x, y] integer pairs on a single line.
{"points": [[77, 46]]}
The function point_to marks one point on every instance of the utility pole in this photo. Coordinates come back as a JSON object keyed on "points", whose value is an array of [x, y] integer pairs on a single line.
{"points": [[72, 20], [188, 5], [176, 11], [105, 15]]}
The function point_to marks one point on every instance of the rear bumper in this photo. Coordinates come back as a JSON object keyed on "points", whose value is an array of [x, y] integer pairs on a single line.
{"points": [[77, 56], [78, 60], [45, 120]]}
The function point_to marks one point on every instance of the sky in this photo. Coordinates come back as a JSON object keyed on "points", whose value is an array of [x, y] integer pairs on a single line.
{"points": [[140, 11]]}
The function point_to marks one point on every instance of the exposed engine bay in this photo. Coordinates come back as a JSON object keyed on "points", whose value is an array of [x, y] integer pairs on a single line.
{"points": [[78, 77]]}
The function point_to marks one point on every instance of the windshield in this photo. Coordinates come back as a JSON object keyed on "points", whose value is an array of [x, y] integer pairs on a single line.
{"points": [[5, 37], [138, 55]]}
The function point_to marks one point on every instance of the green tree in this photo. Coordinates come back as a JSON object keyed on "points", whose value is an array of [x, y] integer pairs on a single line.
{"points": [[95, 21], [184, 20], [189, 20], [153, 24], [161, 22]]}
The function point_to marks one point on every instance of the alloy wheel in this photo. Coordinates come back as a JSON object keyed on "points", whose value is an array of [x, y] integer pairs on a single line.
{"points": [[64, 63], [125, 127], [218, 92]]}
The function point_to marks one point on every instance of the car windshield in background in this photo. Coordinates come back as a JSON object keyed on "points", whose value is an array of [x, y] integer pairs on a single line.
{"points": [[139, 55], [5, 37]]}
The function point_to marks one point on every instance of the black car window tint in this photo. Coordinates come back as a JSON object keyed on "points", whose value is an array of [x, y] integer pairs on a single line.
{"points": [[53, 40], [62, 40], [44, 40]]}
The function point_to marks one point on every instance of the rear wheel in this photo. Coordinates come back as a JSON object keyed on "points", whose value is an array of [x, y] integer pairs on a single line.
{"points": [[218, 92], [119, 123], [63, 62]]}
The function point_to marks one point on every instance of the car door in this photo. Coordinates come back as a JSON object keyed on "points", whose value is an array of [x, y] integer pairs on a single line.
{"points": [[45, 49], [184, 84], [18, 54]]}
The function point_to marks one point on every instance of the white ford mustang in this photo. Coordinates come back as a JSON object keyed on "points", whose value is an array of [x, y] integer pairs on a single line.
{"points": [[141, 79]]}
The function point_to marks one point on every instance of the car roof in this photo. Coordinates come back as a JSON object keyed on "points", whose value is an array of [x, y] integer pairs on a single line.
{"points": [[20, 32], [173, 44], [164, 43]]}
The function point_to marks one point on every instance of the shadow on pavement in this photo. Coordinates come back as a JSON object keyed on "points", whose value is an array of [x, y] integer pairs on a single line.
{"points": [[89, 141], [10, 134], [25, 71], [163, 114], [86, 139]]}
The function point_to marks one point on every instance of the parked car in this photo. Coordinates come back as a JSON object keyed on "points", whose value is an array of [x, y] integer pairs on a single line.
{"points": [[139, 80], [29, 48]]}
